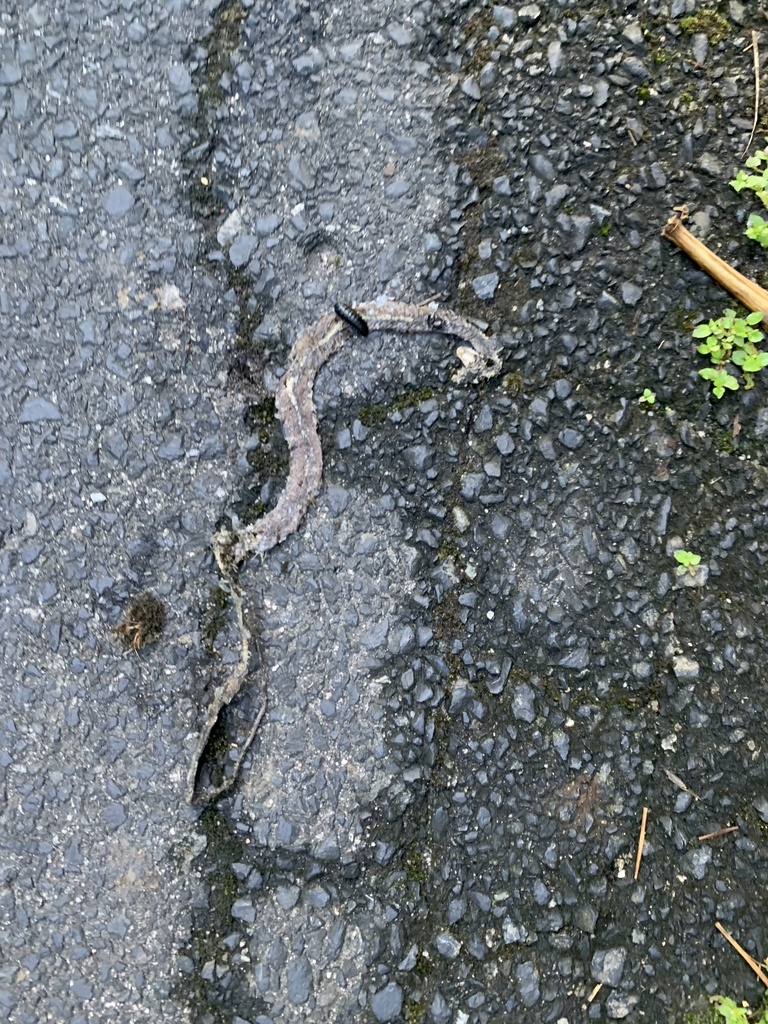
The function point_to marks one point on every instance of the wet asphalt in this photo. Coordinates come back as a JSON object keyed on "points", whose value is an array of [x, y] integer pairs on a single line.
{"points": [[482, 661]]}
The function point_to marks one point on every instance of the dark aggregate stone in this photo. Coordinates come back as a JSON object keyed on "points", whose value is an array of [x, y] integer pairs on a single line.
{"points": [[387, 1003], [118, 201], [418, 457], [243, 910], [578, 658], [619, 1005], [447, 946], [697, 861], [82, 990], [585, 918], [242, 249], [299, 981], [528, 983], [115, 816], [478, 654], [630, 293], [375, 635], [505, 16], [483, 420], [37, 410], [172, 449], [485, 286], [10, 73], [180, 79], [523, 706], [538, 410], [439, 1009], [571, 438], [608, 965]]}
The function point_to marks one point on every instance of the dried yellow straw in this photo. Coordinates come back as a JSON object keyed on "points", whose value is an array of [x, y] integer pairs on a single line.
{"points": [[641, 843], [743, 953], [756, 64]]}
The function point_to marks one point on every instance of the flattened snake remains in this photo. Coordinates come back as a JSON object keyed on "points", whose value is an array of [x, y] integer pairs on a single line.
{"points": [[296, 408]]}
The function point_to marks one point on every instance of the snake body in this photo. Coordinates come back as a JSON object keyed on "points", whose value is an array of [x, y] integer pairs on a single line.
{"points": [[295, 407]]}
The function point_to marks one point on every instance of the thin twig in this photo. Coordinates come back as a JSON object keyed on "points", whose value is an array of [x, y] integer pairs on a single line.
{"points": [[743, 953], [719, 832], [747, 292], [593, 993], [641, 843], [756, 61]]}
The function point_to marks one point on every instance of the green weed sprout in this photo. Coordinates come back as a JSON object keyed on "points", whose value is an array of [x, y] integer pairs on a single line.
{"points": [[757, 227], [648, 396], [757, 183], [734, 1014], [721, 380], [757, 230], [688, 561], [731, 339]]}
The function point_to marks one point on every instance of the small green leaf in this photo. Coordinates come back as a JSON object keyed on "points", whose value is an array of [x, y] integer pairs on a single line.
{"points": [[719, 328], [721, 380], [727, 318], [686, 558], [688, 561], [751, 362], [757, 229], [715, 350], [732, 1013]]}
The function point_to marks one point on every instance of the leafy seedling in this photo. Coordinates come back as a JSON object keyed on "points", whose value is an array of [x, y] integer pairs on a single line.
{"points": [[648, 396], [721, 380], [734, 1014], [757, 182], [757, 230], [688, 561], [731, 339]]}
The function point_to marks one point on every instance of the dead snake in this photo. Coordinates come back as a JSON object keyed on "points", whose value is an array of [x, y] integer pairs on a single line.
{"points": [[295, 407]]}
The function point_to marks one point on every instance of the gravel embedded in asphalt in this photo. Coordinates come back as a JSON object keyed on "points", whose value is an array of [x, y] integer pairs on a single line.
{"points": [[482, 657]]}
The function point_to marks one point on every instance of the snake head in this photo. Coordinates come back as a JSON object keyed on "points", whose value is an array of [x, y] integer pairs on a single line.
{"points": [[476, 365]]}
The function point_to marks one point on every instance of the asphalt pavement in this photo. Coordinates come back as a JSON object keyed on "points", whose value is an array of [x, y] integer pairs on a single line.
{"points": [[482, 658]]}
